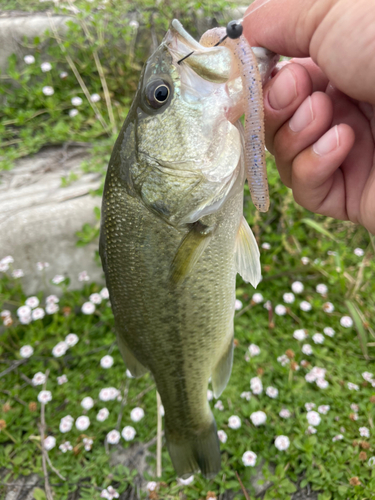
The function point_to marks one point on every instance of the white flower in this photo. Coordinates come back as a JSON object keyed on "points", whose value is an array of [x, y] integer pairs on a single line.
{"points": [[282, 443], [256, 385], [222, 435], [108, 393], [249, 458], [371, 461], [5, 314], [309, 406], [87, 442], [267, 305], [283, 359], [257, 298], [310, 430], [104, 293], [48, 90], [307, 349], [219, 405], [284, 413], [7, 320], [354, 416], [76, 101], [134, 24], [49, 443], [83, 276], [151, 486], [113, 437], [88, 308], [305, 306], [51, 308], [359, 252], [246, 395], [60, 349], [82, 423], [367, 376], [62, 380], [102, 415], [59, 278], [321, 383], [110, 493], [18, 273], [128, 433], [64, 447], [52, 299], [254, 350], [299, 334], [322, 289], [330, 332], [25, 320], [318, 372], [318, 338], [346, 321], [297, 287], [185, 482], [106, 361], [353, 387], [44, 397], [87, 403], [354, 407], [288, 298], [237, 305], [46, 66], [266, 246], [272, 392], [364, 432], [29, 59], [258, 418], [42, 265], [7, 260], [95, 298], [39, 378], [71, 339], [280, 310], [137, 414], [324, 409], [339, 437], [66, 424], [328, 307], [38, 313], [26, 351], [32, 302], [73, 112], [95, 97], [234, 422], [210, 395], [63, 75], [313, 418]]}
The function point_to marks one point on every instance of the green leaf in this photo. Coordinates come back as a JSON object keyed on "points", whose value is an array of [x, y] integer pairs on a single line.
{"points": [[319, 228], [362, 334], [39, 494]]}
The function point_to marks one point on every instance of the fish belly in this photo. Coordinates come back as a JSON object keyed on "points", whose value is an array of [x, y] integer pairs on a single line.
{"points": [[179, 332]]}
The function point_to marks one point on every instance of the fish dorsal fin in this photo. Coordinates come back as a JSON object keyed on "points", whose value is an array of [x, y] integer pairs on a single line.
{"points": [[247, 254], [188, 253]]}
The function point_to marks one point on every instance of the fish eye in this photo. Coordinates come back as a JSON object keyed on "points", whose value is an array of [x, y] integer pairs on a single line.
{"points": [[157, 93]]}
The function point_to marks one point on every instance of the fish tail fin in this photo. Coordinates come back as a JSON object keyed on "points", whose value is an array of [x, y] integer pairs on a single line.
{"points": [[198, 452]]}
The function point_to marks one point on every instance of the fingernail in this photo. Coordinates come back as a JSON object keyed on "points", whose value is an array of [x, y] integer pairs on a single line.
{"points": [[283, 91], [302, 117], [328, 142]]}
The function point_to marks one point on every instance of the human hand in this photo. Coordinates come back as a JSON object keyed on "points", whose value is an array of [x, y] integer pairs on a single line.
{"points": [[320, 108]]}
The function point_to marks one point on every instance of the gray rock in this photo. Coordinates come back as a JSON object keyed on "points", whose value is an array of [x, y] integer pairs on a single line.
{"points": [[22, 488], [39, 217]]}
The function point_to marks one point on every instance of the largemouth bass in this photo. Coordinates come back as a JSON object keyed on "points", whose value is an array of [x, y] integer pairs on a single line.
{"points": [[173, 236]]}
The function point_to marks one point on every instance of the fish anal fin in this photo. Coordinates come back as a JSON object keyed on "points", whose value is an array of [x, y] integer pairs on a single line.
{"points": [[201, 451], [132, 364], [190, 250], [221, 373], [247, 254]]}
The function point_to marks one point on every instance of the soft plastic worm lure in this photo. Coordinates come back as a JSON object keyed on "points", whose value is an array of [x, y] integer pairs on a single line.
{"points": [[256, 171]]}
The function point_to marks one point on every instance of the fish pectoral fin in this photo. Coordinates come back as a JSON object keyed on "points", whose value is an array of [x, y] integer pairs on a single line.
{"points": [[247, 254], [222, 371], [132, 364], [190, 250]]}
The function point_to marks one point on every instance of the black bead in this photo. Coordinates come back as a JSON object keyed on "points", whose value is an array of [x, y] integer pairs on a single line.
{"points": [[234, 29]]}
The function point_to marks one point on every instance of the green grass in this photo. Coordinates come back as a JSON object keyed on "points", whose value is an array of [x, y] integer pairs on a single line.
{"points": [[328, 466]]}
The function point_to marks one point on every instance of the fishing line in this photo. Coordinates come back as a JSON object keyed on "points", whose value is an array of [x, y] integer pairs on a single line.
{"points": [[234, 30]]}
